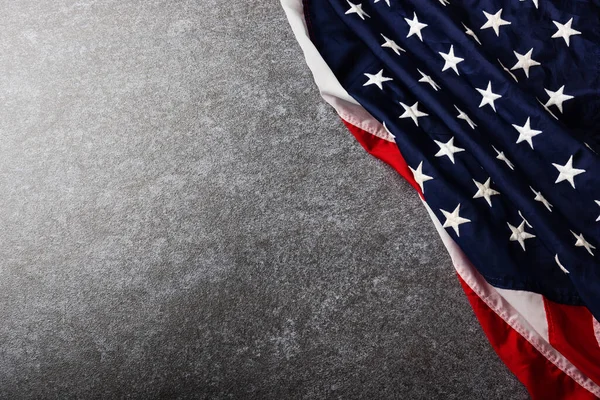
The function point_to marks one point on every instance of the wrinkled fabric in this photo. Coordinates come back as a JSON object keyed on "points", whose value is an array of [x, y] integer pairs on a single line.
{"points": [[352, 47]]}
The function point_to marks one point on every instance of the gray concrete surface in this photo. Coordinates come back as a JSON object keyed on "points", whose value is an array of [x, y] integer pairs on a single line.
{"points": [[181, 216]]}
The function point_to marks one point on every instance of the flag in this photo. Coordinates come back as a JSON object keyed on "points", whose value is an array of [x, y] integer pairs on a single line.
{"points": [[491, 110]]}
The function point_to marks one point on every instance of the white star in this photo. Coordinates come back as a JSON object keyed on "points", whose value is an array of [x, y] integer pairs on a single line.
{"points": [[377, 79], [454, 220], [357, 9], [526, 222], [598, 202], [415, 27], [451, 60], [392, 45], [494, 21], [525, 62], [526, 134], [444, 2], [567, 172], [463, 116], [560, 265], [448, 149], [508, 70], [427, 79], [412, 112], [484, 190], [581, 242], [388, 131], [502, 157], [546, 108], [590, 147], [541, 199], [519, 234], [470, 32], [565, 31], [387, 2], [420, 177], [488, 96], [557, 98], [535, 3]]}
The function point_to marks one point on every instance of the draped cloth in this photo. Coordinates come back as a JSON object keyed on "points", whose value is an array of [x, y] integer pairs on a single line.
{"points": [[491, 109]]}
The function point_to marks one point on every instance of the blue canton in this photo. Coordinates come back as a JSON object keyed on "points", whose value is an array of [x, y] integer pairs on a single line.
{"points": [[495, 106]]}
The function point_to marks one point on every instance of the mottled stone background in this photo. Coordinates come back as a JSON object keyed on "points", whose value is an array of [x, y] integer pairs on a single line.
{"points": [[181, 216]]}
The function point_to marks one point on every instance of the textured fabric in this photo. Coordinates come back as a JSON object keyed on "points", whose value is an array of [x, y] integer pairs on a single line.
{"points": [[531, 302], [516, 241], [565, 372]]}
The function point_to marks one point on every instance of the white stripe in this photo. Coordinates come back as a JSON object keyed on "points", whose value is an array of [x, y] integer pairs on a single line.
{"points": [[531, 306], [506, 311]]}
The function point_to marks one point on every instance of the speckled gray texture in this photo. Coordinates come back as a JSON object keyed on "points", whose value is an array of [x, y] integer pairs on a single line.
{"points": [[181, 216]]}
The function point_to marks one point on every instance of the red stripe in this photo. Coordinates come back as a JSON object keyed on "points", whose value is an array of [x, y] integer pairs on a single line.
{"points": [[542, 378], [571, 332], [385, 151]]}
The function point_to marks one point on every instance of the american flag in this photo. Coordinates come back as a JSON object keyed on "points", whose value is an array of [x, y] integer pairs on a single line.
{"points": [[491, 109]]}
